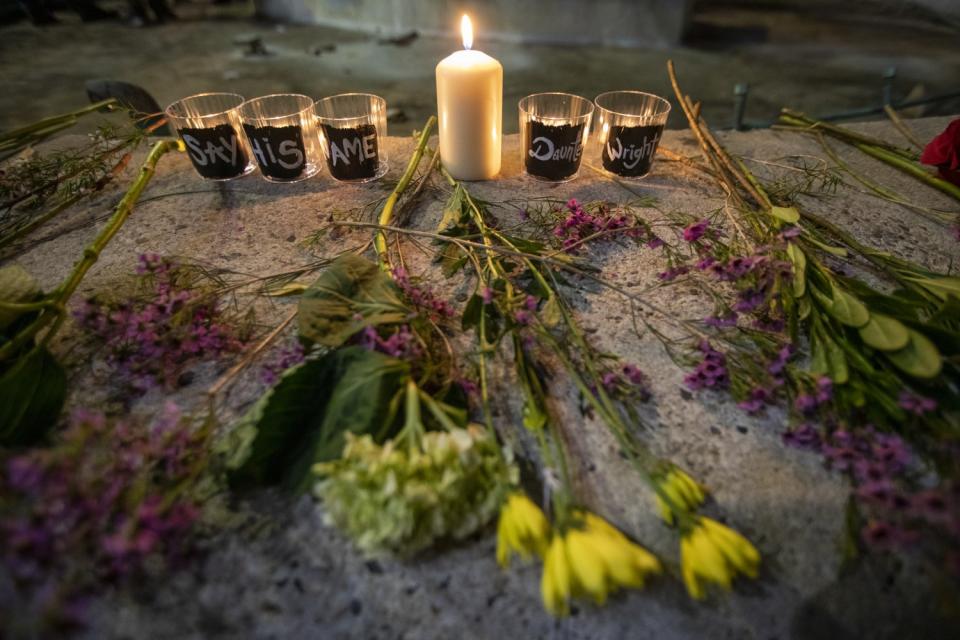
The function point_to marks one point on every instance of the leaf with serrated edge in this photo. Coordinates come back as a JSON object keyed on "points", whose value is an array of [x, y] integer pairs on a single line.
{"points": [[351, 294], [305, 416], [884, 333]]}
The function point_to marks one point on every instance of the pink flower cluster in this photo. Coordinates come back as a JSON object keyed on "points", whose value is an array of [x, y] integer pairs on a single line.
{"points": [[879, 465], [150, 341], [711, 372], [401, 343], [98, 504], [579, 225], [421, 297], [282, 359]]}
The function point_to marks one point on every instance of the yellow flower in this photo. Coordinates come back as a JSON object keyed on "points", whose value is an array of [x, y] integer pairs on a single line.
{"points": [[715, 553], [592, 560], [522, 529], [682, 490], [555, 586]]}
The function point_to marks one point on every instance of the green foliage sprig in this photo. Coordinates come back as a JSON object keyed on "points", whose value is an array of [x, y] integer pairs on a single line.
{"points": [[32, 383]]}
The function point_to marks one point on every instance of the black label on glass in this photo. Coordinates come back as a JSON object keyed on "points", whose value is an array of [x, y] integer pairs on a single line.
{"points": [[553, 152], [629, 150], [216, 152], [352, 152], [279, 150]]}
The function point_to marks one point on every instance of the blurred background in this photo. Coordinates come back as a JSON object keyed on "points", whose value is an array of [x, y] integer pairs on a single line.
{"points": [[743, 59]]}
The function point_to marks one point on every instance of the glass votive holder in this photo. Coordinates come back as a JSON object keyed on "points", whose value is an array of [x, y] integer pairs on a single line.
{"points": [[553, 132], [282, 132], [209, 125], [352, 126], [628, 128]]}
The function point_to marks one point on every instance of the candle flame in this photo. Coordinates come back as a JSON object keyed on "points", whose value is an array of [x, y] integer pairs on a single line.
{"points": [[466, 30]]}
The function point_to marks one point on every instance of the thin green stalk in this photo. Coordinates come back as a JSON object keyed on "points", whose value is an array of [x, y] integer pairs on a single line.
{"points": [[52, 120], [910, 168], [386, 215], [795, 118], [882, 191]]}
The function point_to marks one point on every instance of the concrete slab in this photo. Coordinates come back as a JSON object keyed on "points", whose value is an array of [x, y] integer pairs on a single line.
{"points": [[276, 572]]}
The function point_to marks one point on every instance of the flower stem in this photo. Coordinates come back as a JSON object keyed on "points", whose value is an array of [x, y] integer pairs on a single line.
{"points": [[386, 215]]}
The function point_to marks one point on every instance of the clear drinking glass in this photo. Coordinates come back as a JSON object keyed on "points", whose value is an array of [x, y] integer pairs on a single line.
{"points": [[209, 125], [628, 128], [282, 132], [352, 126], [553, 134]]}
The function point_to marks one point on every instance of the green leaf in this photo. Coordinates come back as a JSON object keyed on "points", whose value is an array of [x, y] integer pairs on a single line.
{"points": [[940, 287], [836, 362], [884, 333], [525, 245], [451, 259], [452, 210], [920, 358], [840, 252], [550, 314], [32, 392], [351, 294], [799, 260], [848, 309], [16, 285], [819, 364], [787, 214], [286, 289], [471, 312], [303, 419]]}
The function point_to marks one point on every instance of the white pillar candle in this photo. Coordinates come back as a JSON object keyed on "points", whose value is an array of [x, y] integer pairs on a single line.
{"points": [[470, 106]]}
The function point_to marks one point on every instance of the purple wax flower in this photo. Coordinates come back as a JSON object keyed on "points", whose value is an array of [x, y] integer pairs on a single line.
{"points": [[711, 373], [916, 404], [756, 401], [695, 231], [634, 374], [804, 436], [720, 322], [486, 294], [421, 297], [149, 341], [282, 360], [673, 272]]}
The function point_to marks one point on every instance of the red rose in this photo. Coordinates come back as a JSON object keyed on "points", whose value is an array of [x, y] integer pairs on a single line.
{"points": [[943, 152]]}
